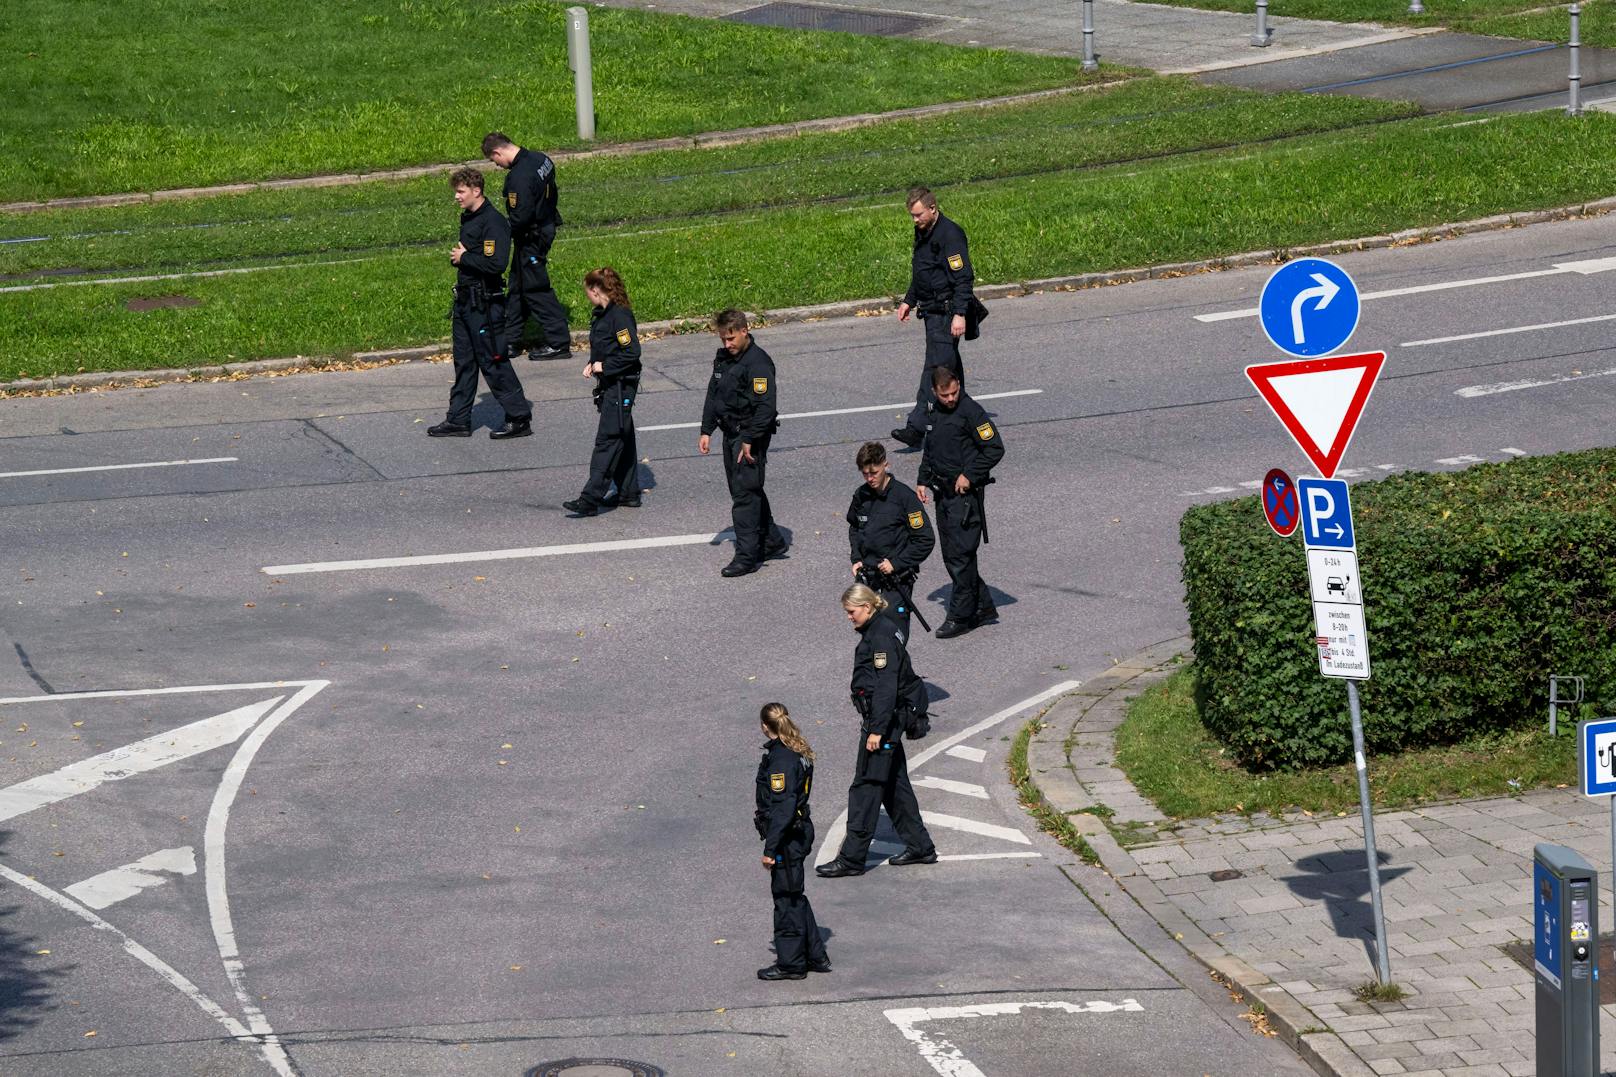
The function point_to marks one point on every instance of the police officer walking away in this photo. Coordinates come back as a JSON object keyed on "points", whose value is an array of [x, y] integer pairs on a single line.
{"points": [[962, 448], [888, 534], [478, 316], [614, 363], [940, 295], [891, 701], [784, 777], [530, 200], [741, 403]]}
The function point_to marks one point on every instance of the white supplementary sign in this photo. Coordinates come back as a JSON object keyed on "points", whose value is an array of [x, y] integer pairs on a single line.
{"points": [[1330, 540]]}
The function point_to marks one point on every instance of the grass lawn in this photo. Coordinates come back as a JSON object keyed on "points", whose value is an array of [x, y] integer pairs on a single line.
{"points": [[1172, 759], [98, 98], [1133, 176], [1597, 27], [1500, 18]]}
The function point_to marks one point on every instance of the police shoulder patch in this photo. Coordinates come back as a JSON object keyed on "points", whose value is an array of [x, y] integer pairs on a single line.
{"points": [[880, 660], [956, 262], [917, 520], [777, 782], [624, 337], [760, 385], [510, 199], [985, 431], [488, 248]]}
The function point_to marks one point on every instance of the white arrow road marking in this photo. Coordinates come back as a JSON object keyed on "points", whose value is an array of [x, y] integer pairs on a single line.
{"points": [[948, 1060], [971, 826], [904, 406], [111, 887], [964, 789], [961, 751], [117, 467], [1324, 292], [611, 546], [1585, 268]]}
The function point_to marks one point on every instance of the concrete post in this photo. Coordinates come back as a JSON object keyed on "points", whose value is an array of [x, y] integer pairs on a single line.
{"points": [[583, 71]]}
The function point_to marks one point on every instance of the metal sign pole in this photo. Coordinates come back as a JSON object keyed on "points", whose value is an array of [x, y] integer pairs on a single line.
{"points": [[583, 71], [1382, 960], [1090, 62]]}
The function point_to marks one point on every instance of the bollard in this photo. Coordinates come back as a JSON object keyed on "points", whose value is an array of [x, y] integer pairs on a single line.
{"points": [[1574, 104], [1263, 36], [583, 71], [1090, 61], [1415, 7]]}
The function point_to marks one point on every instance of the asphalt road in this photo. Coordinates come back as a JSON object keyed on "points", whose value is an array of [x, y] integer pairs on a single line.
{"points": [[472, 817]]}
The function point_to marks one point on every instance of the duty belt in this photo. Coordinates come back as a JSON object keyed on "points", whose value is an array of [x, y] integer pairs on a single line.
{"points": [[476, 294]]}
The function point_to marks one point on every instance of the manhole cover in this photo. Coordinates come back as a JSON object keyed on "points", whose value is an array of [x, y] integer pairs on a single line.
{"points": [[595, 1067], [157, 302], [817, 17]]}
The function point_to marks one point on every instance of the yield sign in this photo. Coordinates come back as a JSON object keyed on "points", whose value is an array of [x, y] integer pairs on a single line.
{"points": [[1319, 401]]}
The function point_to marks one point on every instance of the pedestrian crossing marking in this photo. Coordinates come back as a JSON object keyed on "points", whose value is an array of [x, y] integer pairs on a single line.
{"points": [[964, 789]]}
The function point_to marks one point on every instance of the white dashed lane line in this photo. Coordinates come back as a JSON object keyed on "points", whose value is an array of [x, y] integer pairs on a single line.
{"points": [[902, 406], [116, 467]]}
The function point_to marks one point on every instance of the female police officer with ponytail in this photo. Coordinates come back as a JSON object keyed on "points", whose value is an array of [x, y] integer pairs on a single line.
{"points": [[892, 701], [614, 363], [783, 780]]}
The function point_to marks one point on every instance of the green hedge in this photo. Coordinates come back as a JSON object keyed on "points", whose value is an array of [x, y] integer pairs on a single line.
{"points": [[1477, 585]]}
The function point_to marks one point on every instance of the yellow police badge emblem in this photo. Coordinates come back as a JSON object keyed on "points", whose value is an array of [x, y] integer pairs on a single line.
{"points": [[956, 262], [510, 199], [880, 660], [760, 385], [488, 248], [985, 431], [624, 337], [777, 782], [917, 520]]}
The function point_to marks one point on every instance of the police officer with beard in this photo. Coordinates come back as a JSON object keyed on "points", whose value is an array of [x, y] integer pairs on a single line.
{"points": [[530, 200], [887, 533], [962, 448], [741, 403]]}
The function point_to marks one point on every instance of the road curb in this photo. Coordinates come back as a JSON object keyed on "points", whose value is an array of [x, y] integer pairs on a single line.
{"points": [[847, 308], [1100, 702]]}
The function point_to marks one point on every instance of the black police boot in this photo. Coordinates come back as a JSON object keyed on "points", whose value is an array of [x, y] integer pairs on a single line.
{"points": [[906, 435], [819, 966], [447, 429], [951, 628], [631, 502], [513, 428], [549, 351], [775, 972], [735, 568], [837, 869], [905, 858], [579, 507], [987, 613], [776, 549]]}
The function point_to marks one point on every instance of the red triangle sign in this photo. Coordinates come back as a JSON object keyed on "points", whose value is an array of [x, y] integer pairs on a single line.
{"points": [[1319, 401]]}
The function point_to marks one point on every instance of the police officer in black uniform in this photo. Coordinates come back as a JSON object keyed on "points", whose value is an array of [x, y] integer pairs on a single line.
{"points": [[940, 295], [530, 200], [962, 448], [741, 403], [888, 533], [478, 316], [891, 701], [614, 363], [784, 778]]}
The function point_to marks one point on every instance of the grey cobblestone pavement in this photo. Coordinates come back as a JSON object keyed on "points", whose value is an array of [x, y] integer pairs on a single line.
{"points": [[1293, 927]]}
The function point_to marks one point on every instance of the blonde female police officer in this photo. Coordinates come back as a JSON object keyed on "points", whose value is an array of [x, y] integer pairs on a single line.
{"points": [[783, 779], [614, 363], [891, 700]]}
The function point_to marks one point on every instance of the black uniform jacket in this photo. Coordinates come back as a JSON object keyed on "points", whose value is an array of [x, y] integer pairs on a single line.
{"points": [[940, 274], [882, 673], [530, 195], [783, 780], [961, 442], [740, 395], [614, 342], [488, 247], [891, 524]]}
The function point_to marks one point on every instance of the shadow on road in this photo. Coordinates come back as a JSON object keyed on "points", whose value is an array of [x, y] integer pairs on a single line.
{"points": [[24, 982]]}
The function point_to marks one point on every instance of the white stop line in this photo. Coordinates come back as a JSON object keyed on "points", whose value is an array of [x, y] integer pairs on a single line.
{"points": [[950, 1061]]}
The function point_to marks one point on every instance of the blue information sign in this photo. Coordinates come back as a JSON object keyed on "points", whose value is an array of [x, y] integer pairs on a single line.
{"points": [[1326, 513], [1546, 923], [1596, 756], [1309, 307]]}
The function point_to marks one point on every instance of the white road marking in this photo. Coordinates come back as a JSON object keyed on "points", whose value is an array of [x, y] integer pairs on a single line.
{"points": [[1461, 460], [117, 467], [119, 884], [1529, 383], [961, 751], [964, 789], [182, 276], [971, 826], [990, 856], [1585, 267], [610, 546], [904, 406], [1512, 452], [131, 759], [948, 1060], [1507, 332]]}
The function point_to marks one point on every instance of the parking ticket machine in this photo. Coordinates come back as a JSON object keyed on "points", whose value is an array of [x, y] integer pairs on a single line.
{"points": [[1565, 960]]}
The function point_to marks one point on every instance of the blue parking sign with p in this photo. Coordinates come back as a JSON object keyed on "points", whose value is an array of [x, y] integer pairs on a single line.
{"points": [[1326, 513]]}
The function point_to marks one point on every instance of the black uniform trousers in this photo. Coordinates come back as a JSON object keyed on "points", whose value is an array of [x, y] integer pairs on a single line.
{"points": [[532, 296], [797, 942], [942, 349], [959, 525], [616, 458], [478, 346], [749, 505], [881, 779]]}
